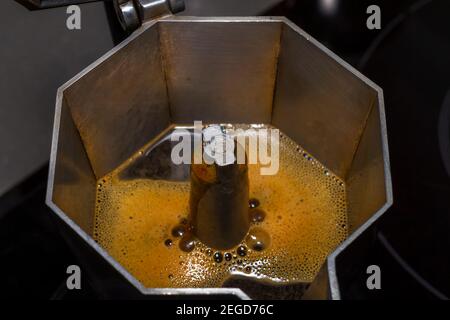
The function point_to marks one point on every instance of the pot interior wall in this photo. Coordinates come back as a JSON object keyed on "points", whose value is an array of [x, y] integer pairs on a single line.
{"points": [[246, 71]]}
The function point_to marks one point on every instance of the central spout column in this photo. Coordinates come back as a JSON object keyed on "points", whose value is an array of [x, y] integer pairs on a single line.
{"points": [[219, 198]]}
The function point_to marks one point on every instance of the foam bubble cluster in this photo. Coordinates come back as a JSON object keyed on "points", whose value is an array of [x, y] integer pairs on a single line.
{"points": [[304, 218]]}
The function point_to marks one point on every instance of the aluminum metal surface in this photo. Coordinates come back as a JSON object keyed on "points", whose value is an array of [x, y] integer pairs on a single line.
{"points": [[176, 70]]}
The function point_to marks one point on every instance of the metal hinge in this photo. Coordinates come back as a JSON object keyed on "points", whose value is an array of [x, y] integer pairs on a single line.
{"points": [[130, 13]]}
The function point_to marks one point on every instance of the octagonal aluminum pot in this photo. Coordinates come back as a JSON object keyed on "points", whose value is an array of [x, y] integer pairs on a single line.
{"points": [[219, 70]]}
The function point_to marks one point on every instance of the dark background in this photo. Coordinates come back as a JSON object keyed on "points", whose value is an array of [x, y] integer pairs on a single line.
{"points": [[409, 58]]}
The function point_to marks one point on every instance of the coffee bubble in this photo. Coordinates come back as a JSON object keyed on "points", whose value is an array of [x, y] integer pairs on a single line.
{"points": [[309, 197]]}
